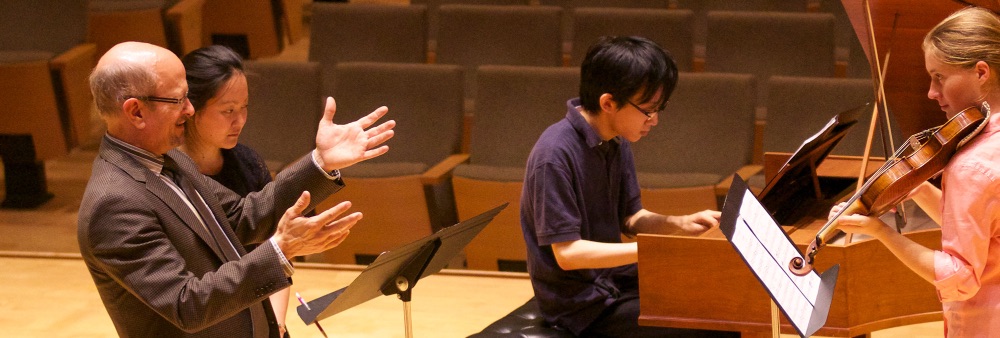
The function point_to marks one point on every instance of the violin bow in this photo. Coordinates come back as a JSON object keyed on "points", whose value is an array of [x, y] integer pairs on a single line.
{"points": [[879, 70]]}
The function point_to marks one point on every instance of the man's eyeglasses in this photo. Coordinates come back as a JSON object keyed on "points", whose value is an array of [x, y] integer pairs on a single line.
{"points": [[164, 99], [649, 114]]}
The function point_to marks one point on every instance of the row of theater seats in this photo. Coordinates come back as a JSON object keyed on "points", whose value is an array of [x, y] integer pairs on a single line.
{"points": [[255, 29], [762, 40], [708, 132], [48, 48]]}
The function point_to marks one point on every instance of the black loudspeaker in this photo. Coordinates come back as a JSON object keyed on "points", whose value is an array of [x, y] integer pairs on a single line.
{"points": [[24, 175]]}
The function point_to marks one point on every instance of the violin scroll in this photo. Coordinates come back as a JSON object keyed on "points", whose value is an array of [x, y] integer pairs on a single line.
{"points": [[801, 267]]}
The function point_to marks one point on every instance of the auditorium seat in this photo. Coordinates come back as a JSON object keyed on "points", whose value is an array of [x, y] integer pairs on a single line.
{"points": [[176, 25], [285, 109], [113, 21], [515, 104], [291, 20], [798, 107], [44, 65], [251, 28], [471, 35], [770, 43], [30, 102], [433, 22], [405, 194], [474, 35], [701, 8], [184, 22], [702, 138], [366, 32], [671, 29]]}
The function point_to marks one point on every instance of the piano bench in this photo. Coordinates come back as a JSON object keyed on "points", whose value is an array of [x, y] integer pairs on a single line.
{"points": [[525, 321]]}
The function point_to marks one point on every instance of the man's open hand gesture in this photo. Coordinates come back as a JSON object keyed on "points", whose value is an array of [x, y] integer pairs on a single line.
{"points": [[340, 145]]}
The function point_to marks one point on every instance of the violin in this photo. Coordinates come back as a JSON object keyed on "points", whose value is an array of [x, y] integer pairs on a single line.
{"points": [[890, 184]]}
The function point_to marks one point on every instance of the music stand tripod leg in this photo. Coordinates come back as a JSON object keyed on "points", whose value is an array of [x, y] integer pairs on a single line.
{"points": [[775, 321], [407, 277]]}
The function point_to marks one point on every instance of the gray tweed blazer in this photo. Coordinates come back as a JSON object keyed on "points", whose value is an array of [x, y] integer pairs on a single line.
{"points": [[150, 257]]}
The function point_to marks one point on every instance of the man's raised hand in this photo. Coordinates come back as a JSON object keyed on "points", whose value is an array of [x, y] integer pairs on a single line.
{"points": [[341, 145]]}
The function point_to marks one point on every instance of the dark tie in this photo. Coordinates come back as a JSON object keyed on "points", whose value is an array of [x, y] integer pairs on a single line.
{"points": [[171, 170]]}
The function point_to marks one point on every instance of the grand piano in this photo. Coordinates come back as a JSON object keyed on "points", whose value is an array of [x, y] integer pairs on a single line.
{"points": [[701, 282]]}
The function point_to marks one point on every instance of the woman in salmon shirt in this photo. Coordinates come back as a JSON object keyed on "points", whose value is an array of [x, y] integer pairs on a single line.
{"points": [[962, 57]]}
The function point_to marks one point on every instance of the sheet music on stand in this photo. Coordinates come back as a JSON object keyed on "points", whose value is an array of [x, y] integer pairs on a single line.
{"points": [[835, 128], [411, 262], [766, 249], [797, 188]]}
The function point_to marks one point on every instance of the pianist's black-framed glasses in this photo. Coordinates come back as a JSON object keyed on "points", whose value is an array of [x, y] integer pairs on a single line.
{"points": [[649, 114]]}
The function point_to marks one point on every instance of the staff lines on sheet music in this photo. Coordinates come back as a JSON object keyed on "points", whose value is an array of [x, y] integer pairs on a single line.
{"points": [[777, 263], [764, 227], [781, 288]]}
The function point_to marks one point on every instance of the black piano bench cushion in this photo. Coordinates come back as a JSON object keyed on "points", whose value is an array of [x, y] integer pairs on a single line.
{"points": [[525, 321]]}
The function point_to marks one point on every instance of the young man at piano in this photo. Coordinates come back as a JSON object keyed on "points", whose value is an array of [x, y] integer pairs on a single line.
{"points": [[580, 194], [962, 57]]}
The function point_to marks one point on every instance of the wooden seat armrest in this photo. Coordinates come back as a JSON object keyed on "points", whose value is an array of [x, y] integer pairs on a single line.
{"points": [[443, 169], [72, 69], [185, 18], [722, 188], [81, 55]]}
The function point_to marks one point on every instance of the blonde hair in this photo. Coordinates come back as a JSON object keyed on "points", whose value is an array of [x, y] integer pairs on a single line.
{"points": [[966, 37]]}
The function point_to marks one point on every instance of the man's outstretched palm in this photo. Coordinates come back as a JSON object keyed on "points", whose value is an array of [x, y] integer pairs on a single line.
{"points": [[342, 145]]}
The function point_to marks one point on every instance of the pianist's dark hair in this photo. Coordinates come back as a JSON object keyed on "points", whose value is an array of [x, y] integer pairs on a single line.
{"points": [[623, 66]]}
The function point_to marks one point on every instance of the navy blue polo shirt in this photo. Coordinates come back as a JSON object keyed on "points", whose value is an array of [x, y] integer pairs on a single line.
{"points": [[576, 186]]}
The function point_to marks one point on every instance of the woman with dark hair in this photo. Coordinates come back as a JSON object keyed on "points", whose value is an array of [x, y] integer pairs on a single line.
{"points": [[217, 88]]}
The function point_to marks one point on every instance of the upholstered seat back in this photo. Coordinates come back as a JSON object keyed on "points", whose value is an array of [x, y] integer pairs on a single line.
{"points": [[798, 107], [671, 29], [285, 109], [52, 26]]}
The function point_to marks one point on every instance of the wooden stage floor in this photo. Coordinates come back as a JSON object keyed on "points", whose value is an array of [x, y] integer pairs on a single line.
{"points": [[55, 297]]}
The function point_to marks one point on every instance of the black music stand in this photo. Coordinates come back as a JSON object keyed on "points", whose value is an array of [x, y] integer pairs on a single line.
{"points": [[397, 271], [766, 248], [796, 188]]}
